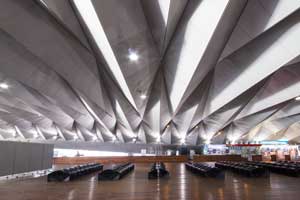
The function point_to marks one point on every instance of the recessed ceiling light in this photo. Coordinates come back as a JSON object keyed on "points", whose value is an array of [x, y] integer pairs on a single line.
{"points": [[158, 139], [182, 140], [219, 133], [143, 96], [297, 98], [207, 142], [15, 134], [43, 2], [36, 135], [4, 86], [133, 56]]}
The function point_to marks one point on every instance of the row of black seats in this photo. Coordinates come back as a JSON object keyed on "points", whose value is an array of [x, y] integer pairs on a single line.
{"points": [[243, 168], [74, 172], [204, 170], [289, 162], [285, 168], [158, 170], [116, 172]]}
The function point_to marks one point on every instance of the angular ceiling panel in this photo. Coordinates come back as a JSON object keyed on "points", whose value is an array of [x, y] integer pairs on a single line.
{"points": [[241, 127], [163, 17], [281, 86], [189, 57], [258, 16], [255, 61], [62, 10], [166, 72], [41, 35]]}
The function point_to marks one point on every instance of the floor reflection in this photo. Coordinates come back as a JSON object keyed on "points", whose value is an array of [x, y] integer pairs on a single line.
{"points": [[182, 181], [71, 195], [181, 184], [92, 188]]}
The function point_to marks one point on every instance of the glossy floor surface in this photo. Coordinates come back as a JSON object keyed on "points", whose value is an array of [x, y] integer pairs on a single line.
{"points": [[181, 185]]}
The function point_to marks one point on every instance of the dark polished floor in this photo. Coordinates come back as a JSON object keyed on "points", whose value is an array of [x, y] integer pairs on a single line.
{"points": [[181, 185]]}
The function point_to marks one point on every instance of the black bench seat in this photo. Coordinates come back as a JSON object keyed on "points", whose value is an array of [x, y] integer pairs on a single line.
{"points": [[288, 168], [158, 170], [204, 170], [116, 173], [74, 172], [243, 168]]}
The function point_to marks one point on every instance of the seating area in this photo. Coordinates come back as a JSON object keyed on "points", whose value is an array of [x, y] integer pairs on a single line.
{"points": [[288, 168], [74, 172], [158, 170], [116, 173], [243, 168], [204, 170]]}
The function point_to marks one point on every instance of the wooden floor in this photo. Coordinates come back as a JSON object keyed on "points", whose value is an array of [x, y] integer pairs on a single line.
{"points": [[181, 185]]}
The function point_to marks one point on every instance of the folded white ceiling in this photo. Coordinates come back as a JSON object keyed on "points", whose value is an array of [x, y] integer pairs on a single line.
{"points": [[141, 71]]}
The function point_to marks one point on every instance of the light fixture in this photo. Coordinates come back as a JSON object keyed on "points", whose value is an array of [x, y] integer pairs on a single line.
{"points": [[4, 86], [43, 2], [75, 137], [143, 96], [35, 135], [114, 138], [233, 139], [158, 139], [182, 140], [134, 140], [14, 134], [94, 138], [133, 56], [207, 141], [297, 98]]}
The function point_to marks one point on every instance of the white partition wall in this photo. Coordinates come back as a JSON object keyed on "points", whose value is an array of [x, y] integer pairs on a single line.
{"points": [[47, 156], [7, 152], [36, 157], [19, 157]]}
